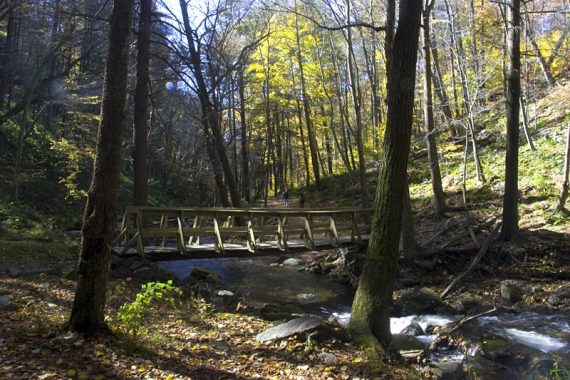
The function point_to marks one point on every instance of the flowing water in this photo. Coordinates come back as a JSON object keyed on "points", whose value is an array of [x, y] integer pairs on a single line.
{"points": [[259, 279]]}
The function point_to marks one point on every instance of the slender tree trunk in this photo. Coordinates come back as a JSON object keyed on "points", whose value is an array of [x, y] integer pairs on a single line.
{"points": [[140, 116], [457, 46], [244, 141], [210, 117], [476, 60], [9, 53], [565, 174], [439, 87], [544, 66], [510, 227], [87, 313], [356, 102], [370, 321], [307, 107], [433, 157], [526, 125]]}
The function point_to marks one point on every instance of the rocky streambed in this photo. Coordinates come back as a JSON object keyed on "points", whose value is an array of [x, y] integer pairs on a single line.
{"points": [[488, 330]]}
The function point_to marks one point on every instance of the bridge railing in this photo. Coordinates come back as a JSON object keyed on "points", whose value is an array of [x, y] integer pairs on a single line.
{"points": [[190, 227]]}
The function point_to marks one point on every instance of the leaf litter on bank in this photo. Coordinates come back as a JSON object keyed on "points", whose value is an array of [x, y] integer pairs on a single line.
{"points": [[33, 343]]}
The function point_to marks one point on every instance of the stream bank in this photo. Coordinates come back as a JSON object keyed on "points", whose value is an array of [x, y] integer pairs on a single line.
{"points": [[528, 337]]}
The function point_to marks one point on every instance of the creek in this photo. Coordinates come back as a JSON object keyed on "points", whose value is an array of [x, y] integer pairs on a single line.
{"points": [[509, 344]]}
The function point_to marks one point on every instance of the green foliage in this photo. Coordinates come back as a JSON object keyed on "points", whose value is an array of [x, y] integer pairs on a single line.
{"points": [[199, 305], [559, 373], [130, 317]]}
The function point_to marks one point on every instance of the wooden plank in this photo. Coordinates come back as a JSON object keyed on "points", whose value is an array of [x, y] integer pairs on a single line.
{"points": [[181, 240], [140, 245], [333, 231], [218, 243], [309, 239], [281, 236], [163, 225], [251, 244]]}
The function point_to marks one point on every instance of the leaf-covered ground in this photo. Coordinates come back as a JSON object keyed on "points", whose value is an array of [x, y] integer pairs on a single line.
{"points": [[185, 342]]}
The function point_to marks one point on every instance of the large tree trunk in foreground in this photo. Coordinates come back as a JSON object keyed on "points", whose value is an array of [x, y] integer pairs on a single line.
{"points": [[87, 313], [510, 228], [370, 321], [141, 106]]}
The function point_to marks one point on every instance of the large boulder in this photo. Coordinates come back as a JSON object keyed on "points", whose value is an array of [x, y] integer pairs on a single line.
{"points": [[420, 301], [293, 327], [413, 329], [466, 303], [511, 293]]}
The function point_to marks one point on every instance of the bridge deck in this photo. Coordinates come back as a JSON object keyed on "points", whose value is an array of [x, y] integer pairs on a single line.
{"points": [[156, 230]]}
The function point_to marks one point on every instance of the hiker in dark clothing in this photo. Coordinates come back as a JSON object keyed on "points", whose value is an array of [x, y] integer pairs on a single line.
{"points": [[286, 197], [302, 200]]}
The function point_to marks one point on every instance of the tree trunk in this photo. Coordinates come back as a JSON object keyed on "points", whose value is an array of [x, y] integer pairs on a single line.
{"points": [[9, 53], [87, 313], [510, 228], [370, 321], [244, 141], [408, 242], [544, 66], [457, 46], [433, 157], [307, 107], [565, 174], [140, 117], [210, 118], [439, 87], [357, 103]]}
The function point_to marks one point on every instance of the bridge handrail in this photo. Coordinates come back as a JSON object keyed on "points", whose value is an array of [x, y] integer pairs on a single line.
{"points": [[134, 230]]}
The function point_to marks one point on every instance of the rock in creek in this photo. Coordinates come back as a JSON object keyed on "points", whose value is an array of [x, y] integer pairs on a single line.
{"points": [[420, 301], [293, 327], [414, 329], [511, 293], [292, 262]]}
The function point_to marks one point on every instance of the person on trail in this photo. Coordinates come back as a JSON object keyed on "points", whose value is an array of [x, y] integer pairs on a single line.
{"points": [[302, 200], [286, 197]]}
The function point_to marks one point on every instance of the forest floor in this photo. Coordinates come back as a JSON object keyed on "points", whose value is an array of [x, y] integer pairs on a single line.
{"points": [[187, 341]]}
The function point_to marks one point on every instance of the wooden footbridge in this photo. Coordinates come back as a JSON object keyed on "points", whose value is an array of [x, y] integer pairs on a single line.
{"points": [[155, 230]]}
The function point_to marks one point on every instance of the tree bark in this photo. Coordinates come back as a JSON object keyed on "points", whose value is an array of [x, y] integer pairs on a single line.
{"points": [[544, 65], [87, 313], [565, 174], [439, 87], [510, 228], [210, 118], [307, 107], [370, 321], [140, 117], [433, 157], [245, 184], [357, 104]]}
